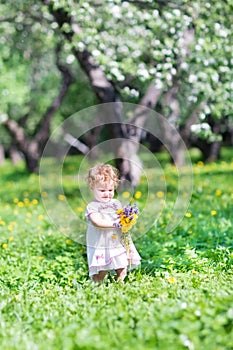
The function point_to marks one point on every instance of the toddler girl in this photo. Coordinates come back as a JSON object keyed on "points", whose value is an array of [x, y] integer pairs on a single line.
{"points": [[105, 250]]}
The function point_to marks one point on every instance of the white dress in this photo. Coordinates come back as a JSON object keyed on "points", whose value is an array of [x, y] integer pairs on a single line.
{"points": [[105, 249]]}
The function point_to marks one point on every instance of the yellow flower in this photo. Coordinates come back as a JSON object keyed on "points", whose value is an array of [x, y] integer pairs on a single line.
{"points": [[138, 195], [160, 194], [41, 217], [26, 201], [172, 280], [15, 200], [61, 197], [34, 201], [119, 211], [80, 209], [126, 194], [213, 212], [200, 163], [188, 215], [218, 192], [20, 204], [11, 238], [68, 241], [2, 223], [4, 245]]}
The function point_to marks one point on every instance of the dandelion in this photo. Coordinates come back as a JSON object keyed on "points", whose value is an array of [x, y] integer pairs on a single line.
{"points": [[80, 209], [213, 212], [200, 164], [15, 200], [26, 201], [172, 280], [138, 195], [4, 246], [11, 238], [218, 192], [34, 202], [21, 204], [2, 223], [160, 194], [188, 215], [41, 217], [68, 241], [61, 197], [126, 194]]}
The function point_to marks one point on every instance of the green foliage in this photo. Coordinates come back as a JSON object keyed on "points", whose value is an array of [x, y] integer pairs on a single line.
{"points": [[181, 297]]}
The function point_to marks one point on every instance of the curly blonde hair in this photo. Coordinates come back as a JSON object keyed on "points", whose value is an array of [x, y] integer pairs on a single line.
{"points": [[102, 173]]}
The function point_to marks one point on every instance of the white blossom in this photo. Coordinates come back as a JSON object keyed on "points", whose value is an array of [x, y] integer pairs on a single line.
{"points": [[96, 53], [215, 77], [192, 78], [177, 12], [70, 59], [184, 66], [143, 72], [116, 11]]}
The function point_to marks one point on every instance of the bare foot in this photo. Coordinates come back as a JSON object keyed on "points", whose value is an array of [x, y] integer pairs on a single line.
{"points": [[121, 274]]}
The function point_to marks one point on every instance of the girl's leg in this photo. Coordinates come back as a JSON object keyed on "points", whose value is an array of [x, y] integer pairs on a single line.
{"points": [[121, 274], [99, 277]]}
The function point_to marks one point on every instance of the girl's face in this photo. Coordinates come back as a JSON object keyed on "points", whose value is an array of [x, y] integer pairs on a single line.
{"points": [[104, 192]]}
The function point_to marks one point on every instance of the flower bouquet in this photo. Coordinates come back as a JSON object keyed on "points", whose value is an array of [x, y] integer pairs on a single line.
{"points": [[127, 217]]}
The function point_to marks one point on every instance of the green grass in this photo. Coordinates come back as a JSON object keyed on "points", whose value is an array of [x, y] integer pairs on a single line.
{"points": [[180, 298]]}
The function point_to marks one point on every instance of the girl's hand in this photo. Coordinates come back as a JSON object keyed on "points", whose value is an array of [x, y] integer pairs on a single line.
{"points": [[102, 221]]}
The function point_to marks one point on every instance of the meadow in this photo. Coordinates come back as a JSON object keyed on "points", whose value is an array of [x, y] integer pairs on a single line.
{"points": [[180, 298]]}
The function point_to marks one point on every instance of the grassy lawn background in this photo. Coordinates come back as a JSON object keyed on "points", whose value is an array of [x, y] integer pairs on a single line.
{"points": [[180, 298]]}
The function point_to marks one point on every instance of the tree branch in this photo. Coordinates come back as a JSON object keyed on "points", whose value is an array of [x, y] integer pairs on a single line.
{"points": [[74, 142], [17, 132]]}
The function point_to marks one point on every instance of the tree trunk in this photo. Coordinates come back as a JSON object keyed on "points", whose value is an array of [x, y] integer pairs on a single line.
{"points": [[127, 159], [213, 152], [14, 155], [2, 154], [214, 149]]}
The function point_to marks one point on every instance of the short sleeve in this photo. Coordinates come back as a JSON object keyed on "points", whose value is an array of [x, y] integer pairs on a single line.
{"points": [[91, 208]]}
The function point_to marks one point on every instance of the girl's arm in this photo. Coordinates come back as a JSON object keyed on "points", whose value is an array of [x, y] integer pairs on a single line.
{"points": [[100, 220]]}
